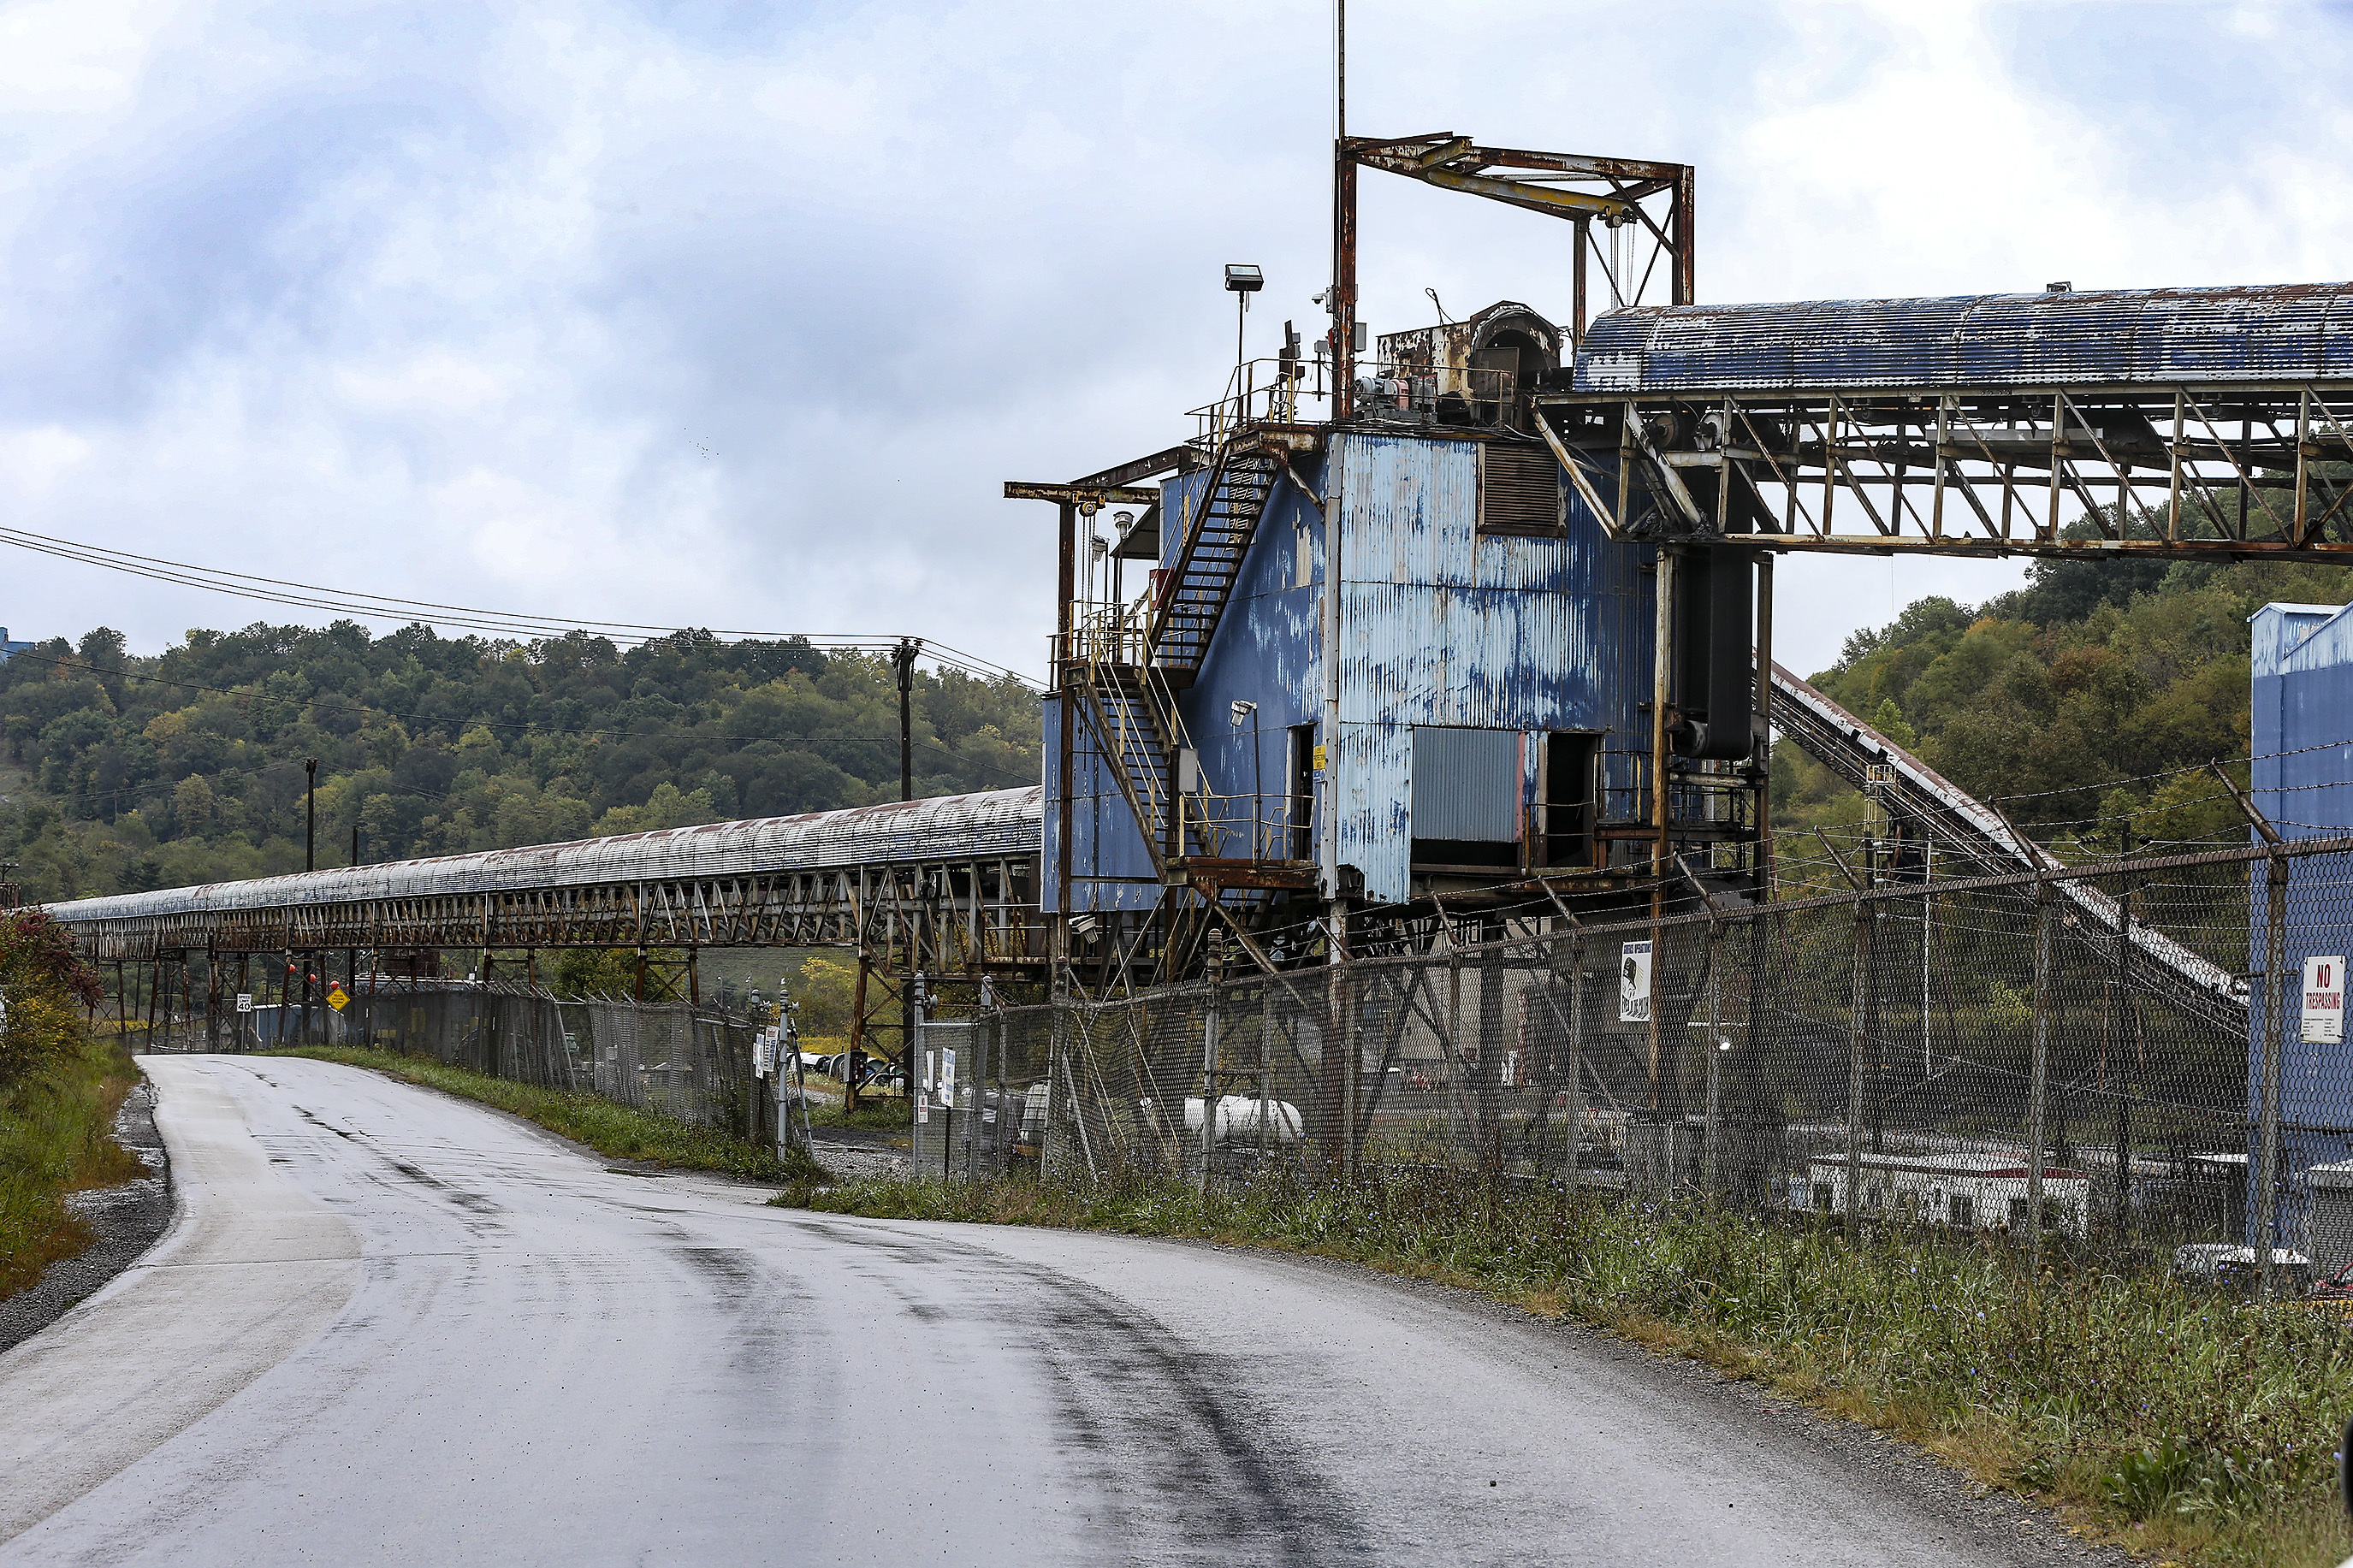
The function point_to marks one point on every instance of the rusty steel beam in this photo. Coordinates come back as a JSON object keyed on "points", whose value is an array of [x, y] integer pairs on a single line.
{"points": [[1080, 495], [1575, 186], [1453, 162], [2085, 472], [1124, 474]]}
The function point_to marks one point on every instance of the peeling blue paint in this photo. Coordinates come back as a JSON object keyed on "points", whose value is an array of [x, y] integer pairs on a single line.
{"points": [[1439, 626]]}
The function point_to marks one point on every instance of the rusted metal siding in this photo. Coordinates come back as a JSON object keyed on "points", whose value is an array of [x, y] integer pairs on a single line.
{"points": [[1265, 653], [998, 823], [1441, 626], [2113, 337], [1106, 841]]}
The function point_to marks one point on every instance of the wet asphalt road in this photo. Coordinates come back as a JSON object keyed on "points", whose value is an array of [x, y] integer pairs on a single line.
{"points": [[390, 1327]]}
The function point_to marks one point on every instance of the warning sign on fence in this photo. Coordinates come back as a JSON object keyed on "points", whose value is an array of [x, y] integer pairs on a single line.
{"points": [[335, 997], [2324, 1001], [1634, 982]]}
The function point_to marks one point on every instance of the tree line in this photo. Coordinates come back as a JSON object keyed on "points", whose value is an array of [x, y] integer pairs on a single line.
{"points": [[124, 773], [2087, 702]]}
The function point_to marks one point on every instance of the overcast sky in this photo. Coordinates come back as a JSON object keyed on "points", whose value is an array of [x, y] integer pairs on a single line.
{"points": [[737, 315]]}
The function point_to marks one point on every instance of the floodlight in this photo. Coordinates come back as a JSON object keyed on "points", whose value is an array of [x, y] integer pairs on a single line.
{"points": [[1243, 279]]}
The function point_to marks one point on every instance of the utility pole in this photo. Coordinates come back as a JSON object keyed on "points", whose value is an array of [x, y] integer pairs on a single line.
{"points": [[904, 657], [310, 837]]}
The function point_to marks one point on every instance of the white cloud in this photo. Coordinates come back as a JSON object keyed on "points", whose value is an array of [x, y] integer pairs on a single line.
{"points": [[576, 306]]}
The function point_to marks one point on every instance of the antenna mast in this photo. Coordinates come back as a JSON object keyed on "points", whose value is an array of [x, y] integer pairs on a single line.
{"points": [[1343, 298]]}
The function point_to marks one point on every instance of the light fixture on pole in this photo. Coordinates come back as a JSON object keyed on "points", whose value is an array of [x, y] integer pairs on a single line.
{"points": [[1242, 280]]}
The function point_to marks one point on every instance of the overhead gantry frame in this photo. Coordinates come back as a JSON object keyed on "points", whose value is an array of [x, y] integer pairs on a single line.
{"points": [[2186, 470]]}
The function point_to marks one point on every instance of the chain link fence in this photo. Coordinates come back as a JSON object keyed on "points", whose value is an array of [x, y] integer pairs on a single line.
{"points": [[1992, 1055], [694, 1064]]}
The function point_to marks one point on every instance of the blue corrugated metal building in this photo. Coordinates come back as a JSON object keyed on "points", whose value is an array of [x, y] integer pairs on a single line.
{"points": [[1492, 668], [2302, 779], [7, 647]]}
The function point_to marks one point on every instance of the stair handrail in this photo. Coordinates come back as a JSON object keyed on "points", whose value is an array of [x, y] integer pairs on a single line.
{"points": [[1197, 516], [1115, 752]]}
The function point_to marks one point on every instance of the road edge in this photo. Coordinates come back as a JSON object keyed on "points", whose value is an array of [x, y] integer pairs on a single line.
{"points": [[129, 1219]]}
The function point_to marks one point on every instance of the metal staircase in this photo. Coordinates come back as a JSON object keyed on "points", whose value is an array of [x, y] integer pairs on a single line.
{"points": [[1216, 539], [1132, 727]]}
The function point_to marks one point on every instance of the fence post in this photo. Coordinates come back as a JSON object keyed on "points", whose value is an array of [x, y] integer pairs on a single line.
{"points": [[919, 1078], [1711, 1133], [1575, 1055], [1339, 1044], [977, 1119], [1209, 1054], [2276, 982], [1265, 1065], [1460, 1067], [2038, 1081], [1050, 1147], [1856, 1014], [2121, 1039], [1009, 1114]]}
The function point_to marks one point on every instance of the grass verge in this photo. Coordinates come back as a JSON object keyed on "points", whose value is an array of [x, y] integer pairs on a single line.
{"points": [[57, 1138], [2183, 1426], [620, 1132]]}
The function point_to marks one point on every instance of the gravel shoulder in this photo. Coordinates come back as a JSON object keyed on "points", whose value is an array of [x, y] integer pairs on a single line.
{"points": [[128, 1220]]}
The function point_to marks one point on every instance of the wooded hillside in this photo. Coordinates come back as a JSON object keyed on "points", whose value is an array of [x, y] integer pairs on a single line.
{"points": [[125, 773], [2075, 701]]}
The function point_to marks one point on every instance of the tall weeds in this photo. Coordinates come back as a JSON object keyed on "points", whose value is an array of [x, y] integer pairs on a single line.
{"points": [[56, 1121]]}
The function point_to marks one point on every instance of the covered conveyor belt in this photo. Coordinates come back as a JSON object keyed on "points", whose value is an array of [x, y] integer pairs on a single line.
{"points": [[2200, 423], [947, 885], [1982, 838]]}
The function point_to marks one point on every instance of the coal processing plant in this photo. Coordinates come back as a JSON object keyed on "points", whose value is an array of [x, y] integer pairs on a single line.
{"points": [[1470, 622], [1495, 633]]}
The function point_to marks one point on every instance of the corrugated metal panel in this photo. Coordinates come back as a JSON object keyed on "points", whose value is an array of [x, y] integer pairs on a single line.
{"points": [[2301, 777], [948, 828], [1410, 504], [2286, 333], [1410, 511], [1491, 659], [1466, 785], [1376, 779]]}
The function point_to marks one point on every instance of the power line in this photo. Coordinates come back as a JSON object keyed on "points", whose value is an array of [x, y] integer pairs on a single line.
{"points": [[517, 624]]}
